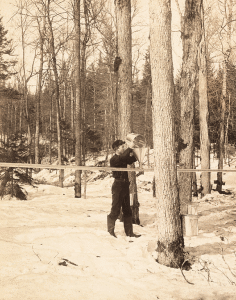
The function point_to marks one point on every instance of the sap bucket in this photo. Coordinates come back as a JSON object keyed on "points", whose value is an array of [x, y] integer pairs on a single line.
{"points": [[190, 225], [140, 154], [137, 139], [138, 144]]}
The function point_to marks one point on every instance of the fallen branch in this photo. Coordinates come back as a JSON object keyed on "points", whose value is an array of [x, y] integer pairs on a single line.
{"points": [[36, 253]]}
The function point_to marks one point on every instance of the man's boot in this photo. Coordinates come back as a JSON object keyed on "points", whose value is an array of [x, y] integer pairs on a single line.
{"points": [[128, 226], [111, 226]]}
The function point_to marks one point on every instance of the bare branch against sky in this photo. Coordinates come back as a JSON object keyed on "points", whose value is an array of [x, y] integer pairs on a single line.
{"points": [[8, 9]]}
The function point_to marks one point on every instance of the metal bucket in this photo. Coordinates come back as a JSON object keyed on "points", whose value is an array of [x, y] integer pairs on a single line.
{"points": [[137, 139], [140, 154], [139, 146]]}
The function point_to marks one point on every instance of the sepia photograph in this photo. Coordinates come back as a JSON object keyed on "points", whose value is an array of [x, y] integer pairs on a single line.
{"points": [[117, 150]]}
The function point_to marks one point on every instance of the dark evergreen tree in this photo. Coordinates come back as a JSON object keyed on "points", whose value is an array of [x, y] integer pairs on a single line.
{"points": [[5, 51], [14, 151]]}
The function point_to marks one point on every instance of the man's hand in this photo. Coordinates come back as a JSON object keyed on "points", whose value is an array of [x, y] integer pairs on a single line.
{"points": [[130, 144]]}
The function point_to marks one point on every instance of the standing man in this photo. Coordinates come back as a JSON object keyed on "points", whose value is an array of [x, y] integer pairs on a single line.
{"points": [[120, 188]]}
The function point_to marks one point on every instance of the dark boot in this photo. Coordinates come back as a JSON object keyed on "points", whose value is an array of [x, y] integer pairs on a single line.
{"points": [[111, 226], [128, 226]]}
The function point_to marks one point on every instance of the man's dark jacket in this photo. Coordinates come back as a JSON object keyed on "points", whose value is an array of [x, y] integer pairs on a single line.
{"points": [[121, 161]]}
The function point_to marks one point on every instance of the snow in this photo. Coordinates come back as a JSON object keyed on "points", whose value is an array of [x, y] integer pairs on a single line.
{"points": [[55, 246]]}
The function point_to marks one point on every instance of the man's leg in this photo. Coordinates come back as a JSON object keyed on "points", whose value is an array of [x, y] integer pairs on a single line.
{"points": [[115, 208], [127, 211], [111, 225], [128, 225]]}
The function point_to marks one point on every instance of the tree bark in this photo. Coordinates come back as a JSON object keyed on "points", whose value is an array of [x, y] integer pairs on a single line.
{"points": [[114, 104], [124, 90], [227, 52], [39, 95], [83, 76], [169, 230], [51, 113], [204, 114], [191, 37], [78, 135], [227, 156], [57, 95], [123, 14], [221, 142], [72, 120]]}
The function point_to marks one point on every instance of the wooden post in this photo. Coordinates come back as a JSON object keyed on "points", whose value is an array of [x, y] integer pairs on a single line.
{"points": [[85, 184], [12, 181]]}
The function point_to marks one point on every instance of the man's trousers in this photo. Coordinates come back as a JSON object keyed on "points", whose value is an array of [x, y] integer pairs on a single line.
{"points": [[120, 198]]}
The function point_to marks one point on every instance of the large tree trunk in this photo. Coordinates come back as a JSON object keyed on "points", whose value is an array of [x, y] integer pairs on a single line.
{"points": [[169, 230], [114, 105], [191, 37], [204, 114], [123, 16], [57, 95], [77, 100], [124, 96]]}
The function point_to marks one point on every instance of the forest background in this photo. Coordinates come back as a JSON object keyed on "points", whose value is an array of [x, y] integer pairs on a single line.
{"points": [[100, 53], [100, 48]]}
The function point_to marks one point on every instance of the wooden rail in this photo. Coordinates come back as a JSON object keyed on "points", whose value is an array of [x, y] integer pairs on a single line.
{"points": [[89, 168]]}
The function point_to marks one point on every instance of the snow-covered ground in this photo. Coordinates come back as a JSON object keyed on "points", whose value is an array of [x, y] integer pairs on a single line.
{"points": [[54, 246]]}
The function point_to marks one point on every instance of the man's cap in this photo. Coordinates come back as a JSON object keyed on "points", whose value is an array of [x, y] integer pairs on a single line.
{"points": [[117, 144]]}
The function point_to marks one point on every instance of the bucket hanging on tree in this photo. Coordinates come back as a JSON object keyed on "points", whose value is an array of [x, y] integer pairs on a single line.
{"points": [[137, 142]]}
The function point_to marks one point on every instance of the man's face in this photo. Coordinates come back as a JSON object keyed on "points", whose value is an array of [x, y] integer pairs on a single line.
{"points": [[121, 149]]}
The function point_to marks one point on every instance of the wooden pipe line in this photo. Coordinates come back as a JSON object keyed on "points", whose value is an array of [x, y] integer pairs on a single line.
{"points": [[89, 168]]}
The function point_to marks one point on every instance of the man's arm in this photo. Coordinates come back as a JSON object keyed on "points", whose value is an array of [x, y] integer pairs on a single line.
{"points": [[128, 156], [120, 160]]}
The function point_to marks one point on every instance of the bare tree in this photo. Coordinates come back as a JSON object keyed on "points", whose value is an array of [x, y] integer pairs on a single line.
{"points": [[86, 37], [169, 230], [228, 6], [24, 26], [204, 112], [191, 37], [57, 90], [124, 96], [77, 115], [41, 29]]}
